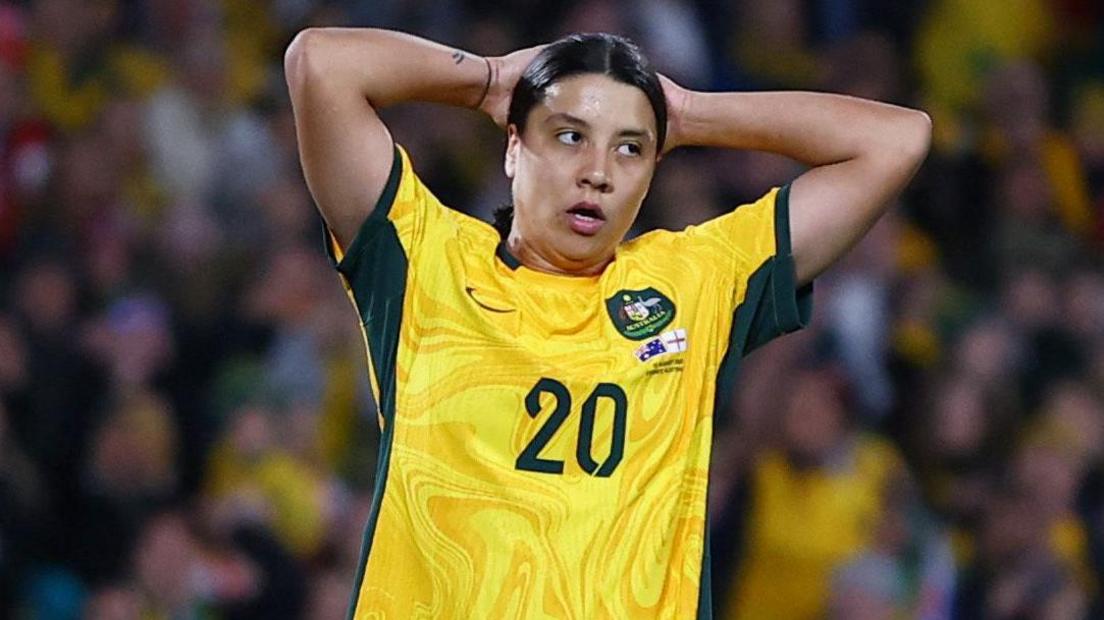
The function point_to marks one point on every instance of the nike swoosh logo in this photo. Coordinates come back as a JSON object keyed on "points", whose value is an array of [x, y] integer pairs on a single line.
{"points": [[470, 290]]}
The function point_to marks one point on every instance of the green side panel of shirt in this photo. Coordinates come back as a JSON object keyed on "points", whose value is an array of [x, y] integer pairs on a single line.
{"points": [[772, 306], [375, 266]]}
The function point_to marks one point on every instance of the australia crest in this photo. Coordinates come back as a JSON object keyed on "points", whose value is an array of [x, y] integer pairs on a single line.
{"points": [[640, 314]]}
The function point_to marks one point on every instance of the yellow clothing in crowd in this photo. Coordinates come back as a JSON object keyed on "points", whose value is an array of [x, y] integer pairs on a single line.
{"points": [[960, 41], [291, 489], [804, 524]]}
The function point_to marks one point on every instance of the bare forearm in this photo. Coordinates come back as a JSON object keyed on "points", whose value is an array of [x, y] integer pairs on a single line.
{"points": [[339, 77], [813, 128], [386, 67], [861, 154]]}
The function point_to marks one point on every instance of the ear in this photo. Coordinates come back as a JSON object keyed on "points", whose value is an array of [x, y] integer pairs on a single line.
{"points": [[513, 143]]}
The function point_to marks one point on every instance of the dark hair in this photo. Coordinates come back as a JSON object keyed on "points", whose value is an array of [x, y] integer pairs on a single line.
{"points": [[605, 54]]}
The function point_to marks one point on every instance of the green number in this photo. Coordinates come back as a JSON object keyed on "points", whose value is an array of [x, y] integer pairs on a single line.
{"points": [[529, 458], [586, 430]]}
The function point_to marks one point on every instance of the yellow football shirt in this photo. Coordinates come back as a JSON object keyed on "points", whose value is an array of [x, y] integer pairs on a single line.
{"points": [[546, 438]]}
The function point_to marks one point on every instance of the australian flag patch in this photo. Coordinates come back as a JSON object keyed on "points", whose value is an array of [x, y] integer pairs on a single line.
{"points": [[668, 342]]}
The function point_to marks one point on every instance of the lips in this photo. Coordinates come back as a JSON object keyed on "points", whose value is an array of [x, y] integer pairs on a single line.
{"points": [[585, 218]]}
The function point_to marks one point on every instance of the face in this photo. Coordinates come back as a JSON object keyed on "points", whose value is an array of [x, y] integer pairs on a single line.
{"points": [[579, 173], [813, 422]]}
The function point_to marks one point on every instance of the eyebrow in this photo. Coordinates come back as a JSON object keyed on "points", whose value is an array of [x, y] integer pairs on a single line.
{"points": [[575, 120]]}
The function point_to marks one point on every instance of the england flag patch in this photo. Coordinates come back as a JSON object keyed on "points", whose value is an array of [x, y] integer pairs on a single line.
{"points": [[673, 341]]}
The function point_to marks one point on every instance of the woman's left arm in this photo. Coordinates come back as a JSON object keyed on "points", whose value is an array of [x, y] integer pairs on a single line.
{"points": [[862, 153]]}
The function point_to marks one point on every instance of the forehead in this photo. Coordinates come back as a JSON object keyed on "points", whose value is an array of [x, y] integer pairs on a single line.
{"points": [[599, 100]]}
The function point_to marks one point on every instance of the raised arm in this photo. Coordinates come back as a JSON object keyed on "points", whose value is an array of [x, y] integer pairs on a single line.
{"points": [[338, 78], [862, 154]]}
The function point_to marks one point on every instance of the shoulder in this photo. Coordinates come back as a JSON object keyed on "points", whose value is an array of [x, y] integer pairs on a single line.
{"points": [[407, 194]]}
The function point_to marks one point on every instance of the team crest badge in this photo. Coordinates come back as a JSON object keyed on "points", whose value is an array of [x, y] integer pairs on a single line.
{"points": [[640, 314]]}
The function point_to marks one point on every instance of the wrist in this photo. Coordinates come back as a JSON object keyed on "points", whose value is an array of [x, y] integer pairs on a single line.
{"points": [[716, 119], [495, 100], [486, 84], [679, 115]]}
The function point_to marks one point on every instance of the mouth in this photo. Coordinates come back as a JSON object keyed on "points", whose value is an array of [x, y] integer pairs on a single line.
{"points": [[586, 218]]}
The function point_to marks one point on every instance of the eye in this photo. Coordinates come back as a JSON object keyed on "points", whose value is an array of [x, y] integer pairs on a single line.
{"points": [[629, 148], [569, 137]]}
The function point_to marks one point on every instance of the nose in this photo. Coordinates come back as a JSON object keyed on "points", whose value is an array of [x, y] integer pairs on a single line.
{"points": [[595, 172]]}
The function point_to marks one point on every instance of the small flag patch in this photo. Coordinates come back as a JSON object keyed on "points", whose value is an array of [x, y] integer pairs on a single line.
{"points": [[675, 341], [668, 342]]}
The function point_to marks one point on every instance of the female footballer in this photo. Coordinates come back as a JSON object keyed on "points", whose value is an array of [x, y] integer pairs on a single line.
{"points": [[546, 389]]}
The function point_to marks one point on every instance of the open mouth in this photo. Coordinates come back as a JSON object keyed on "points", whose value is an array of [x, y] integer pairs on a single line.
{"points": [[585, 218], [587, 211]]}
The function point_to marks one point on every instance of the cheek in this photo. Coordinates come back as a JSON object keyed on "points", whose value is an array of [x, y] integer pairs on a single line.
{"points": [[532, 194], [641, 189], [636, 176], [540, 179], [636, 185], [527, 183]]}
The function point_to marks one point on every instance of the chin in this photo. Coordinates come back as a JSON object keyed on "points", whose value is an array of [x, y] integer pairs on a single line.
{"points": [[584, 250], [583, 258]]}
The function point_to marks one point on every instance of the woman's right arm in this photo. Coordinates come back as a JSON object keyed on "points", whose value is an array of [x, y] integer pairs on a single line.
{"points": [[338, 78]]}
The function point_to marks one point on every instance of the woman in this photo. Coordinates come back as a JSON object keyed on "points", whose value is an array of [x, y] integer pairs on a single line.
{"points": [[546, 418]]}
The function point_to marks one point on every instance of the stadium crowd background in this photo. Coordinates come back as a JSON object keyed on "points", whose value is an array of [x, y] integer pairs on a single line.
{"points": [[186, 429]]}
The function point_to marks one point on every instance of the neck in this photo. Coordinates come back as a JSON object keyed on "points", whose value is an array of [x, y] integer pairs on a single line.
{"points": [[549, 262]]}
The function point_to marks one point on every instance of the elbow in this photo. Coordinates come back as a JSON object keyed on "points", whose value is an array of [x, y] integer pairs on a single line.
{"points": [[917, 136], [304, 57]]}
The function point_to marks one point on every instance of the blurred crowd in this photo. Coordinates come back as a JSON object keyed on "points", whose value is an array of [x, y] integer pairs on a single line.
{"points": [[186, 427]]}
